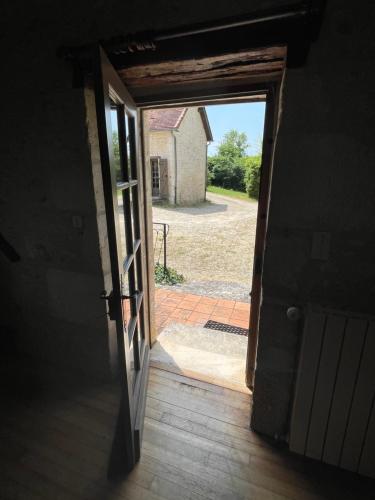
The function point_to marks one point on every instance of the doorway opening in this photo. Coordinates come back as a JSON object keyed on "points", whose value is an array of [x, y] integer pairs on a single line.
{"points": [[233, 60], [111, 87], [204, 224]]}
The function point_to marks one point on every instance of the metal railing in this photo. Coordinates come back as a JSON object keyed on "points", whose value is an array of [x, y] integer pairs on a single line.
{"points": [[161, 230]]}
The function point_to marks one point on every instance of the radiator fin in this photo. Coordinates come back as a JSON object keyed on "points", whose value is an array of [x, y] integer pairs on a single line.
{"points": [[342, 397], [333, 417], [325, 382]]}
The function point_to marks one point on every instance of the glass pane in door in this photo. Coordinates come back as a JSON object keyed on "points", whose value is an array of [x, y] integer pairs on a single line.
{"points": [[155, 176], [120, 179], [130, 144], [120, 175]]}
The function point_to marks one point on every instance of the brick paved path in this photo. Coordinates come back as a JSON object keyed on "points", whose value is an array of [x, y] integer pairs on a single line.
{"points": [[177, 307]]}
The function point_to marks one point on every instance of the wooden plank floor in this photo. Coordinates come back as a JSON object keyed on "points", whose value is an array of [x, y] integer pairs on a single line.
{"points": [[196, 446]]}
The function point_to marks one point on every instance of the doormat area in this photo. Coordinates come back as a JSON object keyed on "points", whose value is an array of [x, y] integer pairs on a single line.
{"points": [[223, 327]]}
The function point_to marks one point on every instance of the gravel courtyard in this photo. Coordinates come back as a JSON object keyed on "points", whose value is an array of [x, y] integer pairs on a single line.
{"points": [[212, 245]]}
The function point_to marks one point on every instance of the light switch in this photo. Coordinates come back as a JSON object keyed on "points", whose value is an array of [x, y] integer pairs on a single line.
{"points": [[321, 243]]}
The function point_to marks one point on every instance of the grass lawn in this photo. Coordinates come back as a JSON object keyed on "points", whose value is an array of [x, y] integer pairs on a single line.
{"points": [[230, 192]]}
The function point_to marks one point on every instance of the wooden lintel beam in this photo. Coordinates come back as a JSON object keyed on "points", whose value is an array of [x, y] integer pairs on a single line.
{"points": [[229, 73], [297, 24]]}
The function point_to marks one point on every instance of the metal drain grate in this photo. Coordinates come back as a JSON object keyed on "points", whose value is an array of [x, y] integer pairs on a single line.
{"points": [[223, 327]]}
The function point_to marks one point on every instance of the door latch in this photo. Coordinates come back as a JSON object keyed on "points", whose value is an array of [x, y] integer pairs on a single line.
{"points": [[111, 304], [104, 295], [111, 301], [133, 296]]}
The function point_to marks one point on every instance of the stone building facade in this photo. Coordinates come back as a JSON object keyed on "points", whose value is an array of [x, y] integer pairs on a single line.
{"points": [[178, 141]]}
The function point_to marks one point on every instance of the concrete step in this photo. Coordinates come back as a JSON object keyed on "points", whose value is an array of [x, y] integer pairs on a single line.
{"points": [[209, 355]]}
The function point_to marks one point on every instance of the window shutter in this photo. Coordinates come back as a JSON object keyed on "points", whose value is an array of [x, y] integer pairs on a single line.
{"points": [[163, 163]]}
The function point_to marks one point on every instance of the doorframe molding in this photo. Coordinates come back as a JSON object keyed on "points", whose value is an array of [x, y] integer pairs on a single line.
{"points": [[270, 94], [296, 24], [271, 123], [308, 16]]}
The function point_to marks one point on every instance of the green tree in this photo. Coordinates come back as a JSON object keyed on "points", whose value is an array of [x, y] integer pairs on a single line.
{"points": [[233, 145], [252, 174], [226, 169], [116, 155], [226, 172], [115, 144]]}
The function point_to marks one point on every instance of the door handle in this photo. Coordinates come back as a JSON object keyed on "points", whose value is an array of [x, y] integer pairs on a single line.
{"points": [[293, 314], [111, 305], [132, 296], [109, 297], [104, 296], [111, 301]]}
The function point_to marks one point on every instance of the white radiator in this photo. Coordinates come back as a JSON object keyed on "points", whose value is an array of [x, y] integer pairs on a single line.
{"points": [[333, 416]]}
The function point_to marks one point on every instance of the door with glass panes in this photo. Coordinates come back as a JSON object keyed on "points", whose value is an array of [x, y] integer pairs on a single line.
{"points": [[119, 140], [155, 177]]}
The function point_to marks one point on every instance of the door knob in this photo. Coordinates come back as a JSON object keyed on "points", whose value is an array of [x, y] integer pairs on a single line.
{"points": [[294, 313]]}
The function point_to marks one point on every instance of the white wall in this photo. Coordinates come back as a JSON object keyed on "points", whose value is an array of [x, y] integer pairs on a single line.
{"points": [[191, 149], [191, 159], [161, 143]]}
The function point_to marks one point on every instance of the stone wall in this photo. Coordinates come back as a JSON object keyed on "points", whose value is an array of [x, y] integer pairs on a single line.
{"points": [[51, 309], [191, 159], [187, 144], [323, 181], [161, 143]]}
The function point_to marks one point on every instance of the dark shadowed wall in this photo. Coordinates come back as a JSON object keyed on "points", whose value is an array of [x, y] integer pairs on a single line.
{"points": [[323, 181], [50, 305]]}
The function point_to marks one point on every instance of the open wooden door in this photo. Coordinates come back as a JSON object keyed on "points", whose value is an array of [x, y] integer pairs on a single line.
{"points": [[119, 140]]}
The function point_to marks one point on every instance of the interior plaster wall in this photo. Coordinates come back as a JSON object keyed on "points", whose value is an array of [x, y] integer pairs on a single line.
{"points": [[323, 181], [50, 305]]}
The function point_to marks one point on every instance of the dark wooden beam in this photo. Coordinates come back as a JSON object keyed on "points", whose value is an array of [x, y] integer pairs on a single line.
{"points": [[226, 71], [194, 76], [199, 68], [296, 25]]}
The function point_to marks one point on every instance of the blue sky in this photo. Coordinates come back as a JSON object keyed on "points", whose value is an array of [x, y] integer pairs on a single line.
{"points": [[248, 118]]}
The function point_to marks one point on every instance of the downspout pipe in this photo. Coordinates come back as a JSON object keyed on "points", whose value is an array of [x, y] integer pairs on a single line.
{"points": [[175, 167], [206, 180]]}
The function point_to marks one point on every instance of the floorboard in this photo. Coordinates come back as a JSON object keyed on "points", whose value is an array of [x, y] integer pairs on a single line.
{"points": [[196, 446]]}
